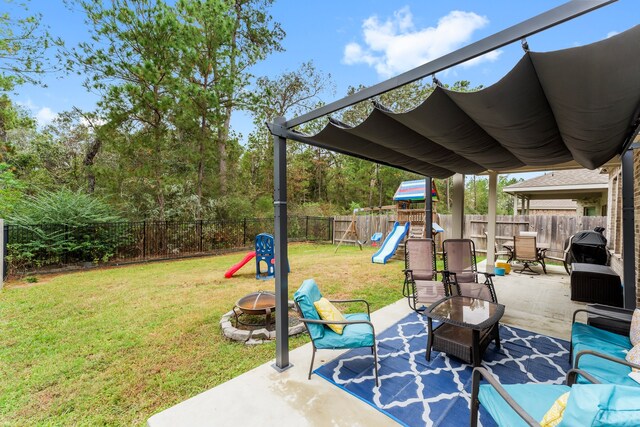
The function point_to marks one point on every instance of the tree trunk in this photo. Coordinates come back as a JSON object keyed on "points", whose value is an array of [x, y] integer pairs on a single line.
{"points": [[89, 160], [201, 155]]}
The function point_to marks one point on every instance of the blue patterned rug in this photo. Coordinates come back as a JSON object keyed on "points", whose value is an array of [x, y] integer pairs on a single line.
{"points": [[415, 392]]}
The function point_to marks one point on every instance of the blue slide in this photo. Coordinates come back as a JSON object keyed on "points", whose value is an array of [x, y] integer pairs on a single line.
{"points": [[391, 243]]}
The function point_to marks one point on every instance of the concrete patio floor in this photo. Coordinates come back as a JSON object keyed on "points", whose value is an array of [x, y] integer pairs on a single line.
{"points": [[263, 396]]}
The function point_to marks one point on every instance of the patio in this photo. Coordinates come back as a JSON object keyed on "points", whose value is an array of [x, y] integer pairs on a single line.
{"points": [[539, 116], [263, 396]]}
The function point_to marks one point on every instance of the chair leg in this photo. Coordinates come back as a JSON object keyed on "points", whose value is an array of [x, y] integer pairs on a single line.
{"points": [[375, 363], [544, 266], [313, 356], [475, 403], [527, 267]]}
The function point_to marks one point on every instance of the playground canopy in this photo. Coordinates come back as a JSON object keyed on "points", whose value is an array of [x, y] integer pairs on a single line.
{"points": [[414, 191]]}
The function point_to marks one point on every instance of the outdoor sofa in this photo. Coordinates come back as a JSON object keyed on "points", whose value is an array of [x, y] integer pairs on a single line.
{"points": [[599, 352], [590, 404]]}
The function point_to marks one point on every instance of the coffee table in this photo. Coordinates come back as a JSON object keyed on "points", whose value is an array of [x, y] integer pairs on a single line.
{"points": [[467, 326]]}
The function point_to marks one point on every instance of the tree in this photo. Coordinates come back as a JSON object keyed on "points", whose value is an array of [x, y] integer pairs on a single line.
{"points": [[23, 43], [289, 94], [11, 191], [253, 37], [132, 63]]}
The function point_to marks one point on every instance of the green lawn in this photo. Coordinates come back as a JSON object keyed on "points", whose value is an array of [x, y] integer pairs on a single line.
{"points": [[114, 346]]}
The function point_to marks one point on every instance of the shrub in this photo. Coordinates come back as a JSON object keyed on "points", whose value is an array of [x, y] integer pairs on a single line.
{"points": [[62, 227]]}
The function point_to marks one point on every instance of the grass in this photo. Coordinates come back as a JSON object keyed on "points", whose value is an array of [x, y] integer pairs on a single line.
{"points": [[116, 345]]}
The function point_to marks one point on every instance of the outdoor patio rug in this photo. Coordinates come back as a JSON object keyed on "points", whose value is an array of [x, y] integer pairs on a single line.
{"points": [[415, 392]]}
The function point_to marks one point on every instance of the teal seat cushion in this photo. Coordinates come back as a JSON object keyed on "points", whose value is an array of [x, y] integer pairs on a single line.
{"points": [[602, 405], [305, 296], [535, 399], [353, 336], [590, 336], [603, 370]]}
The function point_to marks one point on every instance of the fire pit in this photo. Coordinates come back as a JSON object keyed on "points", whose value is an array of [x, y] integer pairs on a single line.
{"points": [[251, 331], [259, 303]]}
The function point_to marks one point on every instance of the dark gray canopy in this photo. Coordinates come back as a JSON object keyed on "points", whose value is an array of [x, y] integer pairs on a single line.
{"points": [[573, 104]]}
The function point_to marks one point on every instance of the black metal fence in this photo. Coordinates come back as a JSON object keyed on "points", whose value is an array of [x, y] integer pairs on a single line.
{"points": [[38, 247]]}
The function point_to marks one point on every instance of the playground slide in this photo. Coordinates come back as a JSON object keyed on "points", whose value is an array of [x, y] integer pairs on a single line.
{"points": [[230, 272], [391, 243]]}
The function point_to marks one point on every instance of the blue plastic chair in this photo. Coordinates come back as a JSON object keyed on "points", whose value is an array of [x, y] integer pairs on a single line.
{"points": [[526, 404], [358, 331]]}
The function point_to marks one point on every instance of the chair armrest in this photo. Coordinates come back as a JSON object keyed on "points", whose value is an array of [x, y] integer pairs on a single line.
{"points": [[351, 300], [603, 356], [627, 312], [408, 274], [598, 313], [486, 274], [573, 373], [478, 375], [335, 322]]}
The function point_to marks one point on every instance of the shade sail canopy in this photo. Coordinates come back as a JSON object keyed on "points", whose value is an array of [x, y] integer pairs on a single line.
{"points": [[577, 104]]}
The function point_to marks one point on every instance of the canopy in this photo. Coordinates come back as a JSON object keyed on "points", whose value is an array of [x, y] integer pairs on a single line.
{"points": [[414, 191], [573, 104]]}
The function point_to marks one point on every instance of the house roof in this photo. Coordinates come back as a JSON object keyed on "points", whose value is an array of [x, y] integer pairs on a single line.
{"points": [[580, 178]]}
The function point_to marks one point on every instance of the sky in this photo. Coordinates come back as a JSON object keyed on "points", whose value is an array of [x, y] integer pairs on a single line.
{"points": [[361, 42]]}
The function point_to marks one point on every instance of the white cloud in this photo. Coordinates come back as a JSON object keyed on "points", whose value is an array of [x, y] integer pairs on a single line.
{"points": [[45, 116], [612, 33], [396, 45]]}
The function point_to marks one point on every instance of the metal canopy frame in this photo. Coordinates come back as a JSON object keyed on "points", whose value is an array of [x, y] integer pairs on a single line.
{"points": [[281, 129]]}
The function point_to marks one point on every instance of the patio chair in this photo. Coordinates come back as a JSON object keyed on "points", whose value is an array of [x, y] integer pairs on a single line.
{"points": [[526, 404], [461, 271], [358, 330], [506, 252], [602, 352], [525, 250], [421, 285]]}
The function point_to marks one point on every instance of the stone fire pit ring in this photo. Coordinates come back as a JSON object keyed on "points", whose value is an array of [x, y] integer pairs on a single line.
{"points": [[256, 336]]}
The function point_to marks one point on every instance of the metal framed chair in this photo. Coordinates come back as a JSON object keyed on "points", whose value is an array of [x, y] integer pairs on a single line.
{"points": [[358, 330], [421, 285], [525, 250], [504, 253], [461, 274], [527, 404]]}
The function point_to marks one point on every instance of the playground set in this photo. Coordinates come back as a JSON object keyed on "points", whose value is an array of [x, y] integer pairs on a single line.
{"points": [[410, 220], [264, 255]]}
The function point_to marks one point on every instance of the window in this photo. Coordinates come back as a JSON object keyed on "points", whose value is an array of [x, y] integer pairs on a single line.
{"points": [[589, 211], [604, 210]]}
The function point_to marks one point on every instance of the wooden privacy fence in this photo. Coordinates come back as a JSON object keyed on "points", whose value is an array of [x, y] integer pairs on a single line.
{"points": [[552, 229]]}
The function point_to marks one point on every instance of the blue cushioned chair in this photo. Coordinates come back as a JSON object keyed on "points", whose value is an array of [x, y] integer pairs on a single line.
{"points": [[526, 404], [358, 330], [601, 353]]}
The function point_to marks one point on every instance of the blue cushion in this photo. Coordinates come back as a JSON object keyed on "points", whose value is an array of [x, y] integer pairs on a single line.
{"points": [[305, 296], [604, 370], [594, 337], [602, 405], [535, 399], [353, 336]]}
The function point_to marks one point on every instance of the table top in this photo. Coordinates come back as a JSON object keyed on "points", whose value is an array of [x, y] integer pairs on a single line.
{"points": [[468, 312]]}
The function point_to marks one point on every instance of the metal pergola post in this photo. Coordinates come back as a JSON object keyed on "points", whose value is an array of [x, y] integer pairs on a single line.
{"points": [[628, 232], [280, 250], [428, 208]]}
